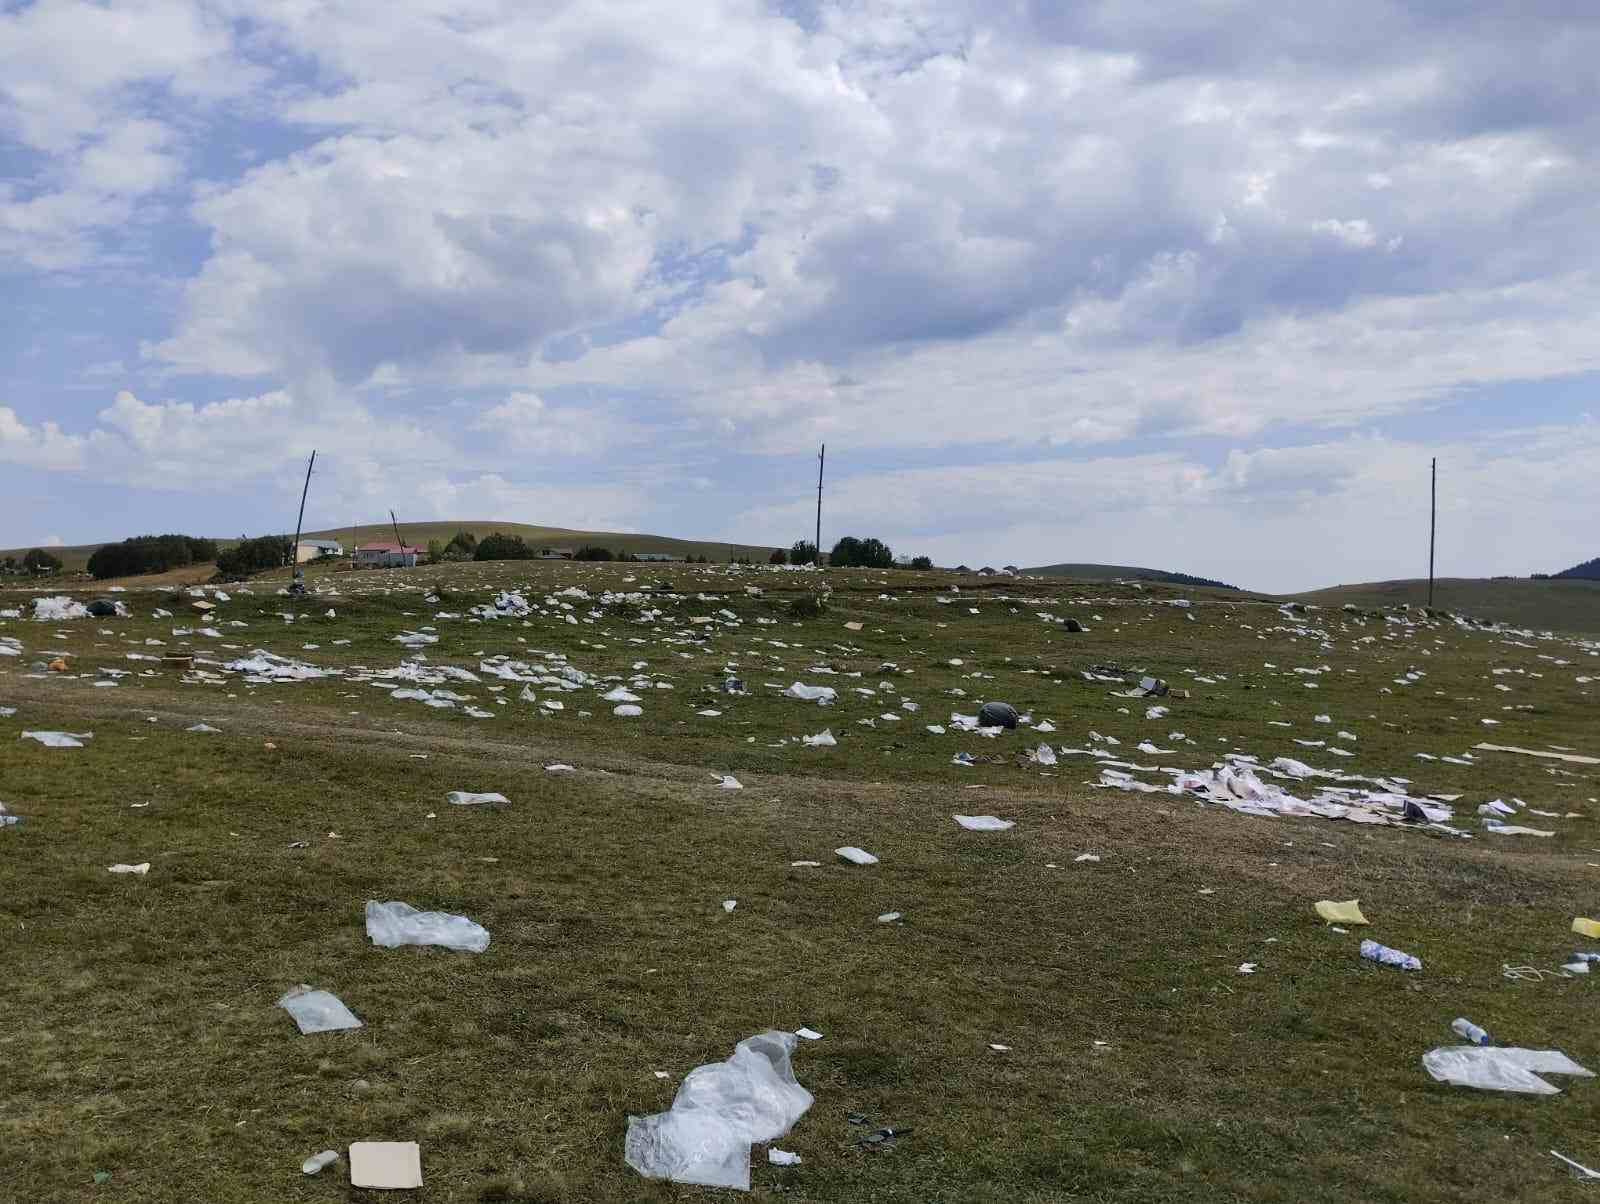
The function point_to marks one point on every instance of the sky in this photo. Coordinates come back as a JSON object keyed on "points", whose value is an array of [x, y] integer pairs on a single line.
{"points": [[1200, 287]]}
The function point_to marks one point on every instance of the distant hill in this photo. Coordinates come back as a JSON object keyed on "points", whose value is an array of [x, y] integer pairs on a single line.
{"points": [[1544, 605], [1589, 570], [75, 559], [1117, 572]]}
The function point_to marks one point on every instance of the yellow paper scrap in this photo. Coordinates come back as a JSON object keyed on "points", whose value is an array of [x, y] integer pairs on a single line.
{"points": [[1341, 913], [1585, 927]]}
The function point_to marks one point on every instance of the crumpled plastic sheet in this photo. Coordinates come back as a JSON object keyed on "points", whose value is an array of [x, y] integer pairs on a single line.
{"points": [[58, 739], [1498, 1068], [720, 1109], [821, 695], [58, 610], [261, 663], [394, 924], [465, 798], [984, 823], [823, 739], [317, 1011]]}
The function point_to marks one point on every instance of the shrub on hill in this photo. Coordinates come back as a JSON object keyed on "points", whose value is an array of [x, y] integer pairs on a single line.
{"points": [[502, 547], [150, 554], [255, 555]]}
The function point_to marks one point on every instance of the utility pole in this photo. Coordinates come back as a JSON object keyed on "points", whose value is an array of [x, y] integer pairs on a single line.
{"points": [[299, 523], [1433, 527], [397, 538], [822, 459]]}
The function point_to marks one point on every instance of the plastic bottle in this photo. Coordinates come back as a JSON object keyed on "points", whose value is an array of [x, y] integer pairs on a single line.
{"points": [[1463, 1027], [316, 1162], [1389, 957]]}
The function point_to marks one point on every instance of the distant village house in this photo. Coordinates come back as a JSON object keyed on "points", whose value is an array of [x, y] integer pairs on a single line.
{"points": [[315, 549], [386, 556]]}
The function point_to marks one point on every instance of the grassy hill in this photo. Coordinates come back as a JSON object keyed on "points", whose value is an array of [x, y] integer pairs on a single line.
{"points": [[1543, 605], [1121, 572], [75, 559]]}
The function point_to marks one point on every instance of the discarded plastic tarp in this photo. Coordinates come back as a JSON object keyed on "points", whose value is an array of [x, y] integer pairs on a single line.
{"points": [[823, 739], [317, 1011], [58, 610], [720, 1109], [983, 823], [394, 924], [1495, 1068], [58, 739], [821, 695]]}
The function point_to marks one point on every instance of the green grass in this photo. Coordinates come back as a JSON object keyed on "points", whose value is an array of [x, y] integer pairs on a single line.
{"points": [[141, 1035], [1541, 605]]}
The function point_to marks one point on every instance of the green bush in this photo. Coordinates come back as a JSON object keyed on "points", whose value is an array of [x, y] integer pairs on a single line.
{"points": [[502, 547], [803, 551], [851, 552], [922, 563], [150, 554], [808, 606], [38, 560], [255, 555]]}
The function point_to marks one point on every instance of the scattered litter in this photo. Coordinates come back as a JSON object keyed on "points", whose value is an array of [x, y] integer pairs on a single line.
{"points": [[627, 710], [1247, 967], [983, 823], [1533, 752], [823, 739], [810, 1034], [889, 917], [1579, 1171], [719, 1111], [779, 1157], [58, 739], [800, 864], [393, 1165], [317, 1011], [394, 924], [202, 727], [1500, 1068], [1585, 927], [1044, 755], [821, 695], [465, 798], [1384, 955], [1087, 857], [141, 869], [1341, 913], [729, 904], [999, 1048], [856, 856], [728, 782], [314, 1164]]}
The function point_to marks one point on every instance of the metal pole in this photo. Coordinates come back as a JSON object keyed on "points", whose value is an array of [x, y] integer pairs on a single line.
{"points": [[294, 552], [397, 538], [822, 460], [1433, 527]]}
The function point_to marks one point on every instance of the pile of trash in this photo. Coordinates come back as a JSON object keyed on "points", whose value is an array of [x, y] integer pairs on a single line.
{"points": [[719, 1111]]}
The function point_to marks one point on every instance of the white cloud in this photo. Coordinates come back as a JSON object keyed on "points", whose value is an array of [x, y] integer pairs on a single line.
{"points": [[44, 446]]}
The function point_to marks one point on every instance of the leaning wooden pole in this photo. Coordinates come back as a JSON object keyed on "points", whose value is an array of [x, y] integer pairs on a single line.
{"points": [[1433, 527], [822, 460], [299, 523]]}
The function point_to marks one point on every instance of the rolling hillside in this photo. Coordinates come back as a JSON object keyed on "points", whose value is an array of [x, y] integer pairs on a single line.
{"points": [[1119, 572], [75, 558], [1543, 605]]}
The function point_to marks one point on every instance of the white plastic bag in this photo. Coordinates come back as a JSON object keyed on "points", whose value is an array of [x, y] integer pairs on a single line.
{"points": [[821, 695], [983, 823], [856, 856], [58, 739], [465, 798], [823, 739], [1494, 1068], [720, 1109], [394, 924], [317, 1011]]}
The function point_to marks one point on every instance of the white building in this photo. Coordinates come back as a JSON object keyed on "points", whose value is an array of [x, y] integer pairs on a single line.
{"points": [[386, 556], [313, 549]]}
